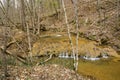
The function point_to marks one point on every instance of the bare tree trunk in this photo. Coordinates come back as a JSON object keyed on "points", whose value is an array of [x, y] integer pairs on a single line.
{"points": [[54, 5], [23, 14], [68, 28], [29, 43], [7, 12], [98, 9], [77, 31], [59, 8], [118, 6], [38, 20], [3, 52], [33, 11], [5, 37], [104, 14], [58, 3], [51, 7], [14, 16]]}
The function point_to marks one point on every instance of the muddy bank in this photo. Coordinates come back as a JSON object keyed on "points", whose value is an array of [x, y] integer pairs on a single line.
{"points": [[59, 43]]}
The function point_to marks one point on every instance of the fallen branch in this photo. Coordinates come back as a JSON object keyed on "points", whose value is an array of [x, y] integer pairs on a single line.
{"points": [[10, 43], [46, 60], [19, 58]]}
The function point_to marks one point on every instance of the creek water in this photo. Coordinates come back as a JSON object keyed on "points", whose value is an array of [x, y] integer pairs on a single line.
{"points": [[107, 68], [103, 69]]}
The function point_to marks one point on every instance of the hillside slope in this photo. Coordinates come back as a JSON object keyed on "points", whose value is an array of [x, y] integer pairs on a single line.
{"points": [[96, 22]]}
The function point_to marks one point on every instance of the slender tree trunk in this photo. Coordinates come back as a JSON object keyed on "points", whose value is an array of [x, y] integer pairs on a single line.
{"points": [[38, 22], [51, 6], [14, 11], [118, 6], [3, 53], [59, 4], [23, 15], [104, 14], [7, 12], [54, 5], [29, 43], [68, 28], [59, 9], [32, 7], [77, 31], [98, 9]]}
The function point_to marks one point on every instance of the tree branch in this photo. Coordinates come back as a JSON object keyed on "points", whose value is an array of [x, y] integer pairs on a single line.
{"points": [[50, 57], [19, 58]]}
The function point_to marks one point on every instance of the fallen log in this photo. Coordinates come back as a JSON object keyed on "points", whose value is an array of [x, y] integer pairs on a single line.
{"points": [[50, 57], [10, 43], [19, 58]]}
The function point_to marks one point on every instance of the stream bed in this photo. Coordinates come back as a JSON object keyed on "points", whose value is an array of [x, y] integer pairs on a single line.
{"points": [[103, 69], [107, 68]]}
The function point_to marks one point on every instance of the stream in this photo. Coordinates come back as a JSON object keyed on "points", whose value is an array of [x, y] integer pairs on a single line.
{"points": [[103, 69], [101, 62]]}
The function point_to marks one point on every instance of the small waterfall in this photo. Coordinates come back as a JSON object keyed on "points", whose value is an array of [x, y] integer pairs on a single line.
{"points": [[60, 55], [72, 56], [66, 55], [63, 55], [91, 58], [104, 56]]}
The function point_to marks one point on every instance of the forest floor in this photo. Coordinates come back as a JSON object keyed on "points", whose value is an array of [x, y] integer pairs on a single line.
{"points": [[96, 36], [43, 72], [54, 43]]}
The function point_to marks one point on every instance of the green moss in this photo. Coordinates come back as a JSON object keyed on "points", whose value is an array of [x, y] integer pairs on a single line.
{"points": [[92, 37], [68, 63]]}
